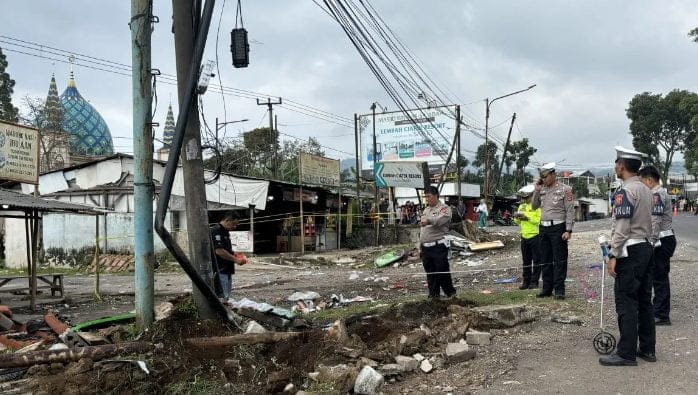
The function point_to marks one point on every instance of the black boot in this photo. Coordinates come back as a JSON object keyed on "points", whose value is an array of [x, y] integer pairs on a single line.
{"points": [[525, 285]]}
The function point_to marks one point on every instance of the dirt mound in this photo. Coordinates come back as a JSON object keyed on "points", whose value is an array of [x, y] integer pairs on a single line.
{"points": [[174, 367]]}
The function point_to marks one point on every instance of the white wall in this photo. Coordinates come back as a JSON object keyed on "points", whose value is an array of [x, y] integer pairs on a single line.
{"points": [[70, 231], [598, 205]]}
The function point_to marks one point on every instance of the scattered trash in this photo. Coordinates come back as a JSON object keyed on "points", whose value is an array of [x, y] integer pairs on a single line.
{"points": [[307, 295], [486, 291], [353, 276], [388, 258], [490, 245], [163, 310], [105, 322], [506, 280], [139, 364], [562, 319], [595, 266]]}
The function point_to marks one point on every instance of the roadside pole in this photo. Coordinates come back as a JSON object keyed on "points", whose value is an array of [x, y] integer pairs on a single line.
{"points": [[300, 201], [458, 154], [191, 159], [143, 162]]}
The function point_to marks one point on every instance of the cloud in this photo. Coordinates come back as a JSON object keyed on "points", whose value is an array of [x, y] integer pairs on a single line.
{"points": [[588, 60]]}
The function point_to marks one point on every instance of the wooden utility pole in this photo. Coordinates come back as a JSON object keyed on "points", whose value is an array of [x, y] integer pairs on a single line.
{"points": [[185, 24]]}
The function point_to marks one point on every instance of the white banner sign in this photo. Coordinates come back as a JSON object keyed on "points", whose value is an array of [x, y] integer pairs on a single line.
{"points": [[398, 138], [242, 240], [19, 153], [318, 170]]}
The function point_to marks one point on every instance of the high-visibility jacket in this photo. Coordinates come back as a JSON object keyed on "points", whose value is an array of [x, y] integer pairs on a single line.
{"points": [[529, 227]]}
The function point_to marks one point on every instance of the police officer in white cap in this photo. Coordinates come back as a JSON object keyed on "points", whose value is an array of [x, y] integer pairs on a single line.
{"points": [[630, 263], [557, 219]]}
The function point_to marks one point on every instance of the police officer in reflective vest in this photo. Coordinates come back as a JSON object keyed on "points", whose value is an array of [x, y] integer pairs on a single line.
{"points": [[528, 220], [630, 263], [664, 244], [434, 223], [557, 219]]}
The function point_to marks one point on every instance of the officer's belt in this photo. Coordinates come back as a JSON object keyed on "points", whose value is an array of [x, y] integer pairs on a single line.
{"points": [[433, 243], [666, 233], [551, 223], [632, 242]]}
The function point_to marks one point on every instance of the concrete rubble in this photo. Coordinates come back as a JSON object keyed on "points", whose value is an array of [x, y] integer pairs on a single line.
{"points": [[477, 338], [503, 316], [426, 366], [368, 382], [408, 363], [459, 352]]}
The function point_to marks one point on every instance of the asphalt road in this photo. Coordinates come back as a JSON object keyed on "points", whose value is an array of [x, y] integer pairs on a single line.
{"points": [[566, 362]]}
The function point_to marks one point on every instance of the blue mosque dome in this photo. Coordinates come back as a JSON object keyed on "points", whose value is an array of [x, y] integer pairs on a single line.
{"points": [[89, 134]]}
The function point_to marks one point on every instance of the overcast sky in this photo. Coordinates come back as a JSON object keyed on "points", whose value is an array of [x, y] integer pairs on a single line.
{"points": [[588, 59]]}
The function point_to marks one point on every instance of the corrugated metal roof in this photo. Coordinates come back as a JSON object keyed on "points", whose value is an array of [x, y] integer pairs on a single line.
{"points": [[12, 200]]}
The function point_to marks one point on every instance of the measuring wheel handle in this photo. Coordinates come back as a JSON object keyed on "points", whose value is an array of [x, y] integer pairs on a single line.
{"points": [[604, 343]]}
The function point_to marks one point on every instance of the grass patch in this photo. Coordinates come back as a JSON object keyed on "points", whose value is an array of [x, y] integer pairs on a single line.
{"points": [[331, 315], [327, 387], [470, 297], [186, 310], [198, 382], [503, 297]]}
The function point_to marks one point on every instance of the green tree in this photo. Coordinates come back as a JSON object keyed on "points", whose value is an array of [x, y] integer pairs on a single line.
{"points": [[487, 154], [691, 154], [580, 187], [664, 123], [690, 157], [47, 116], [521, 153], [289, 167], [8, 112], [261, 144]]}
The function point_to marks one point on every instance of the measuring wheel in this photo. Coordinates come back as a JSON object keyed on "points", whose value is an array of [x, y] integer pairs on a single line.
{"points": [[604, 343]]}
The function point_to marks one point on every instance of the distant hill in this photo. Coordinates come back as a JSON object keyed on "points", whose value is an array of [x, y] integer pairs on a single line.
{"points": [[347, 163]]}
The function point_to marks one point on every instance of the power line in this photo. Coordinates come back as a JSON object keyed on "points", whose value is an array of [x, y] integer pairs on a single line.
{"points": [[100, 64]]}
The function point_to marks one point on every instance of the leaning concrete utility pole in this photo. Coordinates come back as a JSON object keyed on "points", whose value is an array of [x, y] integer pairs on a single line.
{"points": [[141, 11], [191, 159]]}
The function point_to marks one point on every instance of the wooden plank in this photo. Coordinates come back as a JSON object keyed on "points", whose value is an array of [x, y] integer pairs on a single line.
{"points": [[490, 245]]}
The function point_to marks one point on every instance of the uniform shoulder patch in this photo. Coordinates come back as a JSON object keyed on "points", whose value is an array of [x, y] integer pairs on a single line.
{"points": [[444, 210], [622, 207], [657, 204], [569, 195]]}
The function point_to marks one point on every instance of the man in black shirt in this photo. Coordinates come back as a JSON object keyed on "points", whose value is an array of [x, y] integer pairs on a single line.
{"points": [[224, 255]]}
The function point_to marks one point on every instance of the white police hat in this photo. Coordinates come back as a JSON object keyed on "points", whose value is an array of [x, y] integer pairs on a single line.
{"points": [[526, 190], [626, 153], [547, 168]]}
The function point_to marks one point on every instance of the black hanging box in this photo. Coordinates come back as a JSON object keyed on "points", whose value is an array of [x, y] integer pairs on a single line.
{"points": [[240, 47]]}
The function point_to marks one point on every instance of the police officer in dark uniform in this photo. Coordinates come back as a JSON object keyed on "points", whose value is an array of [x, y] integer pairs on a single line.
{"points": [[435, 222], [630, 263], [664, 244], [556, 201]]}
